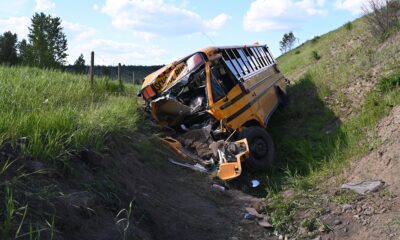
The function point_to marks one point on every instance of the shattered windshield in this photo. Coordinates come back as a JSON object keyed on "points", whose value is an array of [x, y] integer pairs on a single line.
{"points": [[185, 102], [192, 64], [190, 77]]}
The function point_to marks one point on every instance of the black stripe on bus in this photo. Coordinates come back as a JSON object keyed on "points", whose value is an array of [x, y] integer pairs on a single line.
{"points": [[233, 101], [238, 97], [248, 105]]}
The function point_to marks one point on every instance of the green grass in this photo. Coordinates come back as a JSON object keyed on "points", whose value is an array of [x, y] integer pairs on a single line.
{"points": [[306, 154], [49, 117], [59, 113], [346, 56]]}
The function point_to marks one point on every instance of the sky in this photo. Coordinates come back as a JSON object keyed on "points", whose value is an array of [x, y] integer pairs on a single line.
{"points": [[152, 32]]}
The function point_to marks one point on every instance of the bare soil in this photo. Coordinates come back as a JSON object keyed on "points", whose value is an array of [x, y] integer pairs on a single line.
{"points": [[375, 215], [169, 202]]}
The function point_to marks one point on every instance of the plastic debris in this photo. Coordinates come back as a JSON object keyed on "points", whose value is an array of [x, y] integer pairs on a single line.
{"points": [[254, 183], [218, 187], [364, 187], [249, 216]]}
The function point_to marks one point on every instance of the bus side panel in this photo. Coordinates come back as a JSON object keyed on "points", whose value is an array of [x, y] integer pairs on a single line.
{"points": [[263, 94]]}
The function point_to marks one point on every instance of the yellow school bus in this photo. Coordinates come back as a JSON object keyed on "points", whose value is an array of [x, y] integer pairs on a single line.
{"points": [[233, 90]]}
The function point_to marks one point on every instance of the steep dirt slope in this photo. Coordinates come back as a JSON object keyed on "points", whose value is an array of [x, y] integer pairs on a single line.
{"points": [[375, 215], [168, 202]]}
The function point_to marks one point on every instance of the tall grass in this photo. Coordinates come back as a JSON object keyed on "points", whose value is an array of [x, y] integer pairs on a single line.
{"points": [[57, 113]]}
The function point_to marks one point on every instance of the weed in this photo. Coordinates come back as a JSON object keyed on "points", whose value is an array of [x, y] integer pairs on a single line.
{"points": [[297, 52], [344, 196], [123, 221], [282, 213], [316, 55], [349, 26], [389, 83]]}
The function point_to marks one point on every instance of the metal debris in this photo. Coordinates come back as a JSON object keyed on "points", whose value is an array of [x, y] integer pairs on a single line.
{"points": [[196, 167], [218, 187]]}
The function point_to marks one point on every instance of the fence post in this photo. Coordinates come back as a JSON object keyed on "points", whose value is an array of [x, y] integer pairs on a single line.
{"points": [[91, 72], [119, 75]]}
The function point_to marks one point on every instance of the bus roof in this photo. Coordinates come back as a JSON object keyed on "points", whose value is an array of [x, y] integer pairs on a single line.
{"points": [[208, 51]]}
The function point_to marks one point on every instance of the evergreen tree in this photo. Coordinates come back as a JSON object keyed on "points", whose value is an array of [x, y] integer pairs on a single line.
{"points": [[79, 65], [25, 53], [8, 48], [47, 44]]}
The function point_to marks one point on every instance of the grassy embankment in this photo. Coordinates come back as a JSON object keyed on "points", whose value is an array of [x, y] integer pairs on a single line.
{"points": [[311, 143], [50, 117]]}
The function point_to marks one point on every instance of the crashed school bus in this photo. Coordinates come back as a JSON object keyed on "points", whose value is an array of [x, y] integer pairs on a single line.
{"points": [[227, 93]]}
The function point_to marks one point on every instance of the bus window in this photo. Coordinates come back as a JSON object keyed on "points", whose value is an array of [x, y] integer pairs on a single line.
{"points": [[245, 60], [222, 81], [235, 62], [241, 62], [230, 64], [250, 59], [254, 57], [259, 57]]}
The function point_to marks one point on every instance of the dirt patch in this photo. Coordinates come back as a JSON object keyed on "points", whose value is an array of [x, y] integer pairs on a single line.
{"points": [[376, 215], [384, 162], [168, 202]]}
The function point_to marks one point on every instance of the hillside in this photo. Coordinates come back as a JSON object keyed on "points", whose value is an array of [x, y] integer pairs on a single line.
{"points": [[78, 162], [344, 83]]}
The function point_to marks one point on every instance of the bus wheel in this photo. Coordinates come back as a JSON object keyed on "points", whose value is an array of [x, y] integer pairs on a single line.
{"points": [[261, 148]]}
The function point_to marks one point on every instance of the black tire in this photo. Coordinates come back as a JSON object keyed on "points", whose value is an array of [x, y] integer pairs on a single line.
{"points": [[261, 148]]}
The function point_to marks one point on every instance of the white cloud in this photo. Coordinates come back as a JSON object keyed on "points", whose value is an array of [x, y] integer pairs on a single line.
{"points": [[158, 18], [218, 22], [280, 15], [109, 52], [18, 25], [44, 5], [78, 32], [354, 6]]}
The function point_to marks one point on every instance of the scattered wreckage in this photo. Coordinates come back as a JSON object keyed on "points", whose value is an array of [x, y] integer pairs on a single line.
{"points": [[219, 101]]}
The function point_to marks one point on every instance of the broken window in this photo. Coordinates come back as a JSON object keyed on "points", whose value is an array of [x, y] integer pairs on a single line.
{"points": [[222, 81]]}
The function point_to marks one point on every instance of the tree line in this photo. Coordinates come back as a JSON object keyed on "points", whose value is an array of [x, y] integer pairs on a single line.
{"points": [[46, 47]]}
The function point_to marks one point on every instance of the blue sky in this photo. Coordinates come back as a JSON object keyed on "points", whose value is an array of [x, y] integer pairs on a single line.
{"points": [[147, 32]]}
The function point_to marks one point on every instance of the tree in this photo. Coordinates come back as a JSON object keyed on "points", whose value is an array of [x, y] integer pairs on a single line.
{"points": [[25, 53], [47, 44], [8, 48], [287, 42], [382, 16], [79, 65]]}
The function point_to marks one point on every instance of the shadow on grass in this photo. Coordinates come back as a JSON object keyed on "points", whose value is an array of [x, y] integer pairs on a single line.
{"points": [[306, 135]]}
